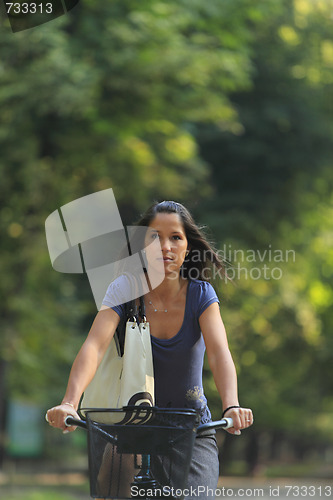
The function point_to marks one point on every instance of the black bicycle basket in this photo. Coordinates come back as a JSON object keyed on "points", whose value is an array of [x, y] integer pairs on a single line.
{"points": [[146, 454]]}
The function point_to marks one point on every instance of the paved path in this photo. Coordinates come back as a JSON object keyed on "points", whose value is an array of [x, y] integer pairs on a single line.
{"points": [[230, 488], [279, 489]]}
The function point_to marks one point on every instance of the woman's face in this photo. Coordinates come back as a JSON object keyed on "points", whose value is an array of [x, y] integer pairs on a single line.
{"points": [[168, 230]]}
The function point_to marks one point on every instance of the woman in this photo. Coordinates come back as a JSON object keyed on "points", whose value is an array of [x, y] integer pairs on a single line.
{"points": [[184, 316]]}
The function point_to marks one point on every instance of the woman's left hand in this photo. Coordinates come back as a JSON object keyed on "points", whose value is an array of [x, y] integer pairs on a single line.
{"points": [[242, 418]]}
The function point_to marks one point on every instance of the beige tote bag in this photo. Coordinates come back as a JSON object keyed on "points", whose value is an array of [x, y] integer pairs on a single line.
{"points": [[126, 380]]}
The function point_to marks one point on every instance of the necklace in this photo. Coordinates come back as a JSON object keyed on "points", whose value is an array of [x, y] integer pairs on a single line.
{"points": [[156, 310]]}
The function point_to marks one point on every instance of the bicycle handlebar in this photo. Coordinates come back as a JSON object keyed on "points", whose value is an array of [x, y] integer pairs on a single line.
{"points": [[225, 423], [69, 421]]}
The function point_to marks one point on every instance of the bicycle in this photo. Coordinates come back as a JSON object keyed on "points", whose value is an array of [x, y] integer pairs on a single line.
{"points": [[141, 451]]}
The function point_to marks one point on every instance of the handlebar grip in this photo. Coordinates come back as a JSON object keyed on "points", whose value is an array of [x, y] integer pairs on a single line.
{"points": [[230, 423], [75, 421]]}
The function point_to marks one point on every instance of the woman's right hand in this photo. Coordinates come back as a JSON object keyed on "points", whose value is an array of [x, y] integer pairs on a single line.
{"points": [[57, 415]]}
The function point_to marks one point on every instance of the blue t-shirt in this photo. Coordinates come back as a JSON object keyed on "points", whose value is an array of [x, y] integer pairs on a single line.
{"points": [[178, 362]]}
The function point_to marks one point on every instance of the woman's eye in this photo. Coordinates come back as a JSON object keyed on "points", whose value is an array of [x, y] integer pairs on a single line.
{"points": [[154, 236], [176, 237]]}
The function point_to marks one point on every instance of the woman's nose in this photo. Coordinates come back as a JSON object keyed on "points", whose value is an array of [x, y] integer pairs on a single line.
{"points": [[165, 244]]}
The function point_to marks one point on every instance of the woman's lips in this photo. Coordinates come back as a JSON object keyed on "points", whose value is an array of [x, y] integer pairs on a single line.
{"points": [[165, 259]]}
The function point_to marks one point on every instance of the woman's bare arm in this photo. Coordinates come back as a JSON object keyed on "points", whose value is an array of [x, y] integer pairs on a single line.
{"points": [[222, 366], [85, 366]]}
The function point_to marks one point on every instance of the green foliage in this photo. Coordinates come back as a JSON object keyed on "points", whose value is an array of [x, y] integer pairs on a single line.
{"points": [[103, 97], [273, 180], [225, 106], [282, 143]]}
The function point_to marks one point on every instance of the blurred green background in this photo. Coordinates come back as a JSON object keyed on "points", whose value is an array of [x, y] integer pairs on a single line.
{"points": [[225, 106]]}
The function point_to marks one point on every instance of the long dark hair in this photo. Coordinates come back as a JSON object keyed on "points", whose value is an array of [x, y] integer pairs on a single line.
{"points": [[202, 256]]}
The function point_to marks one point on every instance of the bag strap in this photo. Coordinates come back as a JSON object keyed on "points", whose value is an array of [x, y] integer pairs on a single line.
{"points": [[142, 309], [121, 328], [134, 313]]}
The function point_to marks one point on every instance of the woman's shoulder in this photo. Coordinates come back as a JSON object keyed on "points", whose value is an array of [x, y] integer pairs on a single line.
{"points": [[201, 285], [201, 295], [121, 290], [202, 289]]}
